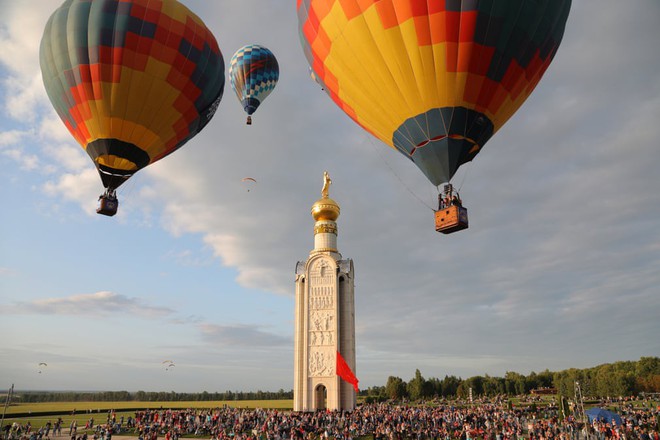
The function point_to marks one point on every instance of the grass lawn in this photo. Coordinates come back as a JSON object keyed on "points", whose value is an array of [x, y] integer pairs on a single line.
{"points": [[41, 413]]}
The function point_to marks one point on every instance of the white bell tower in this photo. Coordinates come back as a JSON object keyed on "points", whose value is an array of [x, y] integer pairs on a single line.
{"points": [[324, 317]]}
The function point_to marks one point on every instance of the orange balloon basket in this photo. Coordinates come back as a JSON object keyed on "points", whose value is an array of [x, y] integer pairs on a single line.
{"points": [[451, 219]]}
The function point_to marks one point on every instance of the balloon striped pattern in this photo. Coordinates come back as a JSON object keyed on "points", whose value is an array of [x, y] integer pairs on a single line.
{"points": [[132, 80], [434, 79]]}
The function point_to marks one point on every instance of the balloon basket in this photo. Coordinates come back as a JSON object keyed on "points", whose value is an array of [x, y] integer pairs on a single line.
{"points": [[107, 205], [451, 219], [249, 120]]}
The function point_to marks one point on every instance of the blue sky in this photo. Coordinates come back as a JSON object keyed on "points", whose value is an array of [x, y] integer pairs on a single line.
{"points": [[559, 268]]}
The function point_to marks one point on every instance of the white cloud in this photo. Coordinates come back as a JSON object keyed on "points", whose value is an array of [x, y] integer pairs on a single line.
{"points": [[20, 35], [83, 188], [12, 137], [53, 130], [241, 336], [11, 143], [68, 157], [24, 95], [25, 161], [94, 304]]}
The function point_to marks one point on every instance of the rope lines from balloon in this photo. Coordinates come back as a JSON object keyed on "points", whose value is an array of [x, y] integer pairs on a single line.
{"points": [[380, 154]]}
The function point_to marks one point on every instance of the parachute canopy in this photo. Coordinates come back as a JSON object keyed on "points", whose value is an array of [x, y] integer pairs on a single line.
{"points": [[253, 74], [132, 80], [432, 79], [249, 181]]}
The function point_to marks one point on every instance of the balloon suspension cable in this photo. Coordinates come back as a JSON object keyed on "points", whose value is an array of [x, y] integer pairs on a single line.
{"points": [[127, 189], [375, 147], [463, 180]]}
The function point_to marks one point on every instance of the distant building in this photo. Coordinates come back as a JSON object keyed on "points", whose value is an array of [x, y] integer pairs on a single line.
{"points": [[544, 390]]}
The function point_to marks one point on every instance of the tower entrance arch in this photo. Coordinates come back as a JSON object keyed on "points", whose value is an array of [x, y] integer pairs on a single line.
{"points": [[320, 397]]}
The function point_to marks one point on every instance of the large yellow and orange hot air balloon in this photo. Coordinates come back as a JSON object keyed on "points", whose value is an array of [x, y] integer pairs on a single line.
{"points": [[434, 79], [132, 80]]}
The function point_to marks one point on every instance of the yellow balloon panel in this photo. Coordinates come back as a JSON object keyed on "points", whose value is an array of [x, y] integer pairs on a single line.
{"points": [[419, 73]]}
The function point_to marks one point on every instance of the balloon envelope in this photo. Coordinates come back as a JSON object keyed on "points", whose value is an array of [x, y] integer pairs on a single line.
{"points": [[253, 74], [132, 80], [602, 414], [434, 79]]}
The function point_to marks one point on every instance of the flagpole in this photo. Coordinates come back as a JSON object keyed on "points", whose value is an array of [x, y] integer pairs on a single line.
{"points": [[9, 394]]}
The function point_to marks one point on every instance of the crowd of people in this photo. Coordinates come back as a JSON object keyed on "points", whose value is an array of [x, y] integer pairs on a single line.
{"points": [[440, 420]]}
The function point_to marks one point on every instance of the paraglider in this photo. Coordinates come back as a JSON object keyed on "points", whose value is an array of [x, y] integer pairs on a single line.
{"points": [[433, 80], [253, 74], [132, 80], [40, 365], [168, 363], [248, 179]]}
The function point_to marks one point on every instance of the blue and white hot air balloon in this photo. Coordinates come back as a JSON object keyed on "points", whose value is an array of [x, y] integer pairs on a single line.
{"points": [[253, 74]]}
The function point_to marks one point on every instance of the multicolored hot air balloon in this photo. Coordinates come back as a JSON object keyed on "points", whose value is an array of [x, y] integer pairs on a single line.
{"points": [[253, 74], [434, 79], [132, 80]]}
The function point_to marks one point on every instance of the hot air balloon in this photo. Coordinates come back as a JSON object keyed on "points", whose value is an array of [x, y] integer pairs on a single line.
{"points": [[132, 80], [432, 79], [253, 74]]}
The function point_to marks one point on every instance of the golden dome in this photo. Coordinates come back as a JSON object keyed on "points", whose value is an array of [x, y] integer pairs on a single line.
{"points": [[325, 209]]}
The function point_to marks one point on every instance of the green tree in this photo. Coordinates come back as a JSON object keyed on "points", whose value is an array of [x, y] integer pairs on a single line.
{"points": [[450, 386], [418, 387], [395, 388], [514, 383], [492, 386]]}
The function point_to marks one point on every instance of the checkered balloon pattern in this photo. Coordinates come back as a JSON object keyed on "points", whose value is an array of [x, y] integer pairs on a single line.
{"points": [[253, 74], [132, 80], [434, 79]]}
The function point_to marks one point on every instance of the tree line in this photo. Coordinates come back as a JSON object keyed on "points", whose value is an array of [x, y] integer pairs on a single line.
{"points": [[623, 378]]}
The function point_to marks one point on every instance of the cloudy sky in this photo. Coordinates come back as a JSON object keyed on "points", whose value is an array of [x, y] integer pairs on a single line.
{"points": [[560, 267]]}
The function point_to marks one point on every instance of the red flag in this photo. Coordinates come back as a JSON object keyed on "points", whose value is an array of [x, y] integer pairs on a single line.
{"points": [[345, 372]]}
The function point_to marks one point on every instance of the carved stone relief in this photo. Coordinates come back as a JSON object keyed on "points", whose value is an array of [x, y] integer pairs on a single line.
{"points": [[320, 363], [321, 326], [322, 273], [321, 329]]}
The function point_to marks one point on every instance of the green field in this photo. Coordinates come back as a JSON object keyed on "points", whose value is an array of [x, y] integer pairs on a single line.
{"points": [[38, 414]]}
